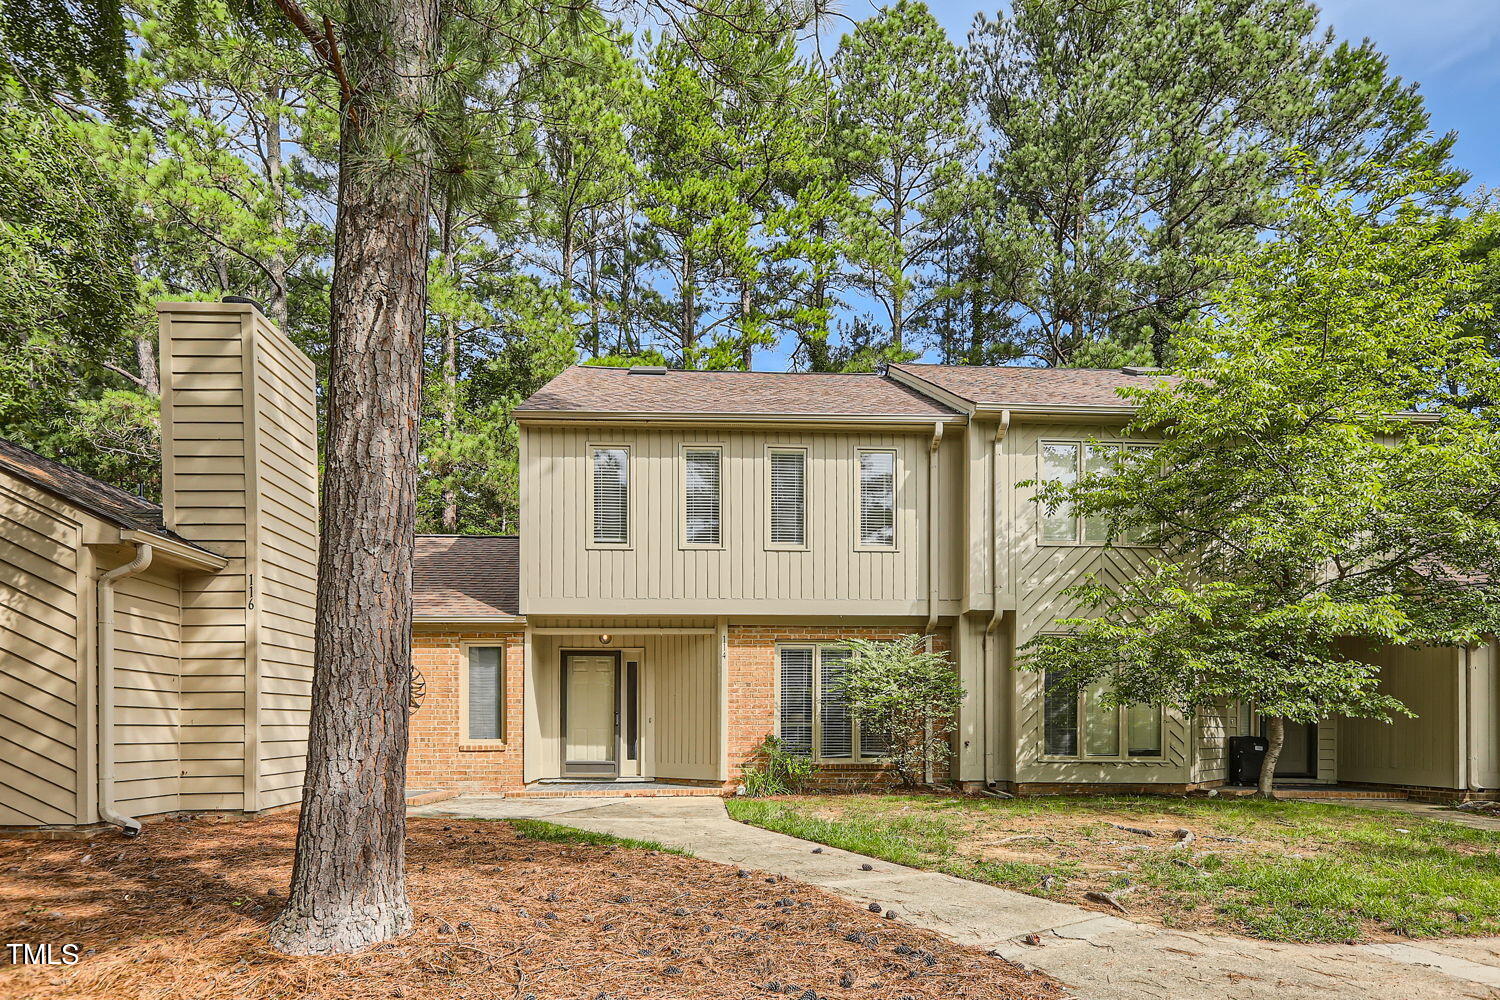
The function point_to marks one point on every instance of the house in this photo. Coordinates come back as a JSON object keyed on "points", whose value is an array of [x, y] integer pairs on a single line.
{"points": [[158, 658], [696, 549]]}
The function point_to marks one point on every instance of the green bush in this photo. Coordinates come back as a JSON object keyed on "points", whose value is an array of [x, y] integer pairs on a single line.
{"points": [[775, 770]]}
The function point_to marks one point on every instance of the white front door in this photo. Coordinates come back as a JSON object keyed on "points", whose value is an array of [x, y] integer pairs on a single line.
{"points": [[589, 706]]}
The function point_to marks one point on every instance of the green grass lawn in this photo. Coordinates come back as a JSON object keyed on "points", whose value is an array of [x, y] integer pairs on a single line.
{"points": [[1284, 871]]}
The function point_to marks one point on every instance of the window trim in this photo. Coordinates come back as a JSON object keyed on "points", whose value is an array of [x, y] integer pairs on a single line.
{"points": [[682, 494], [1122, 727], [588, 514], [816, 756], [1079, 541], [775, 546], [859, 501], [465, 741]]}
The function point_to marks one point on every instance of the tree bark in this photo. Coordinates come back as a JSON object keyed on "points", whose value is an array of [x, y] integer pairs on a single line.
{"points": [[146, 364], [1275, 739], [450, 372], [276, 307], [348, 886]]}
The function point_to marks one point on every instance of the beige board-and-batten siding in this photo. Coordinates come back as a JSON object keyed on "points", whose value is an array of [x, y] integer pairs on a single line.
{"points": [[563, 571], [682, 693], [239, 477], [42, 594]]}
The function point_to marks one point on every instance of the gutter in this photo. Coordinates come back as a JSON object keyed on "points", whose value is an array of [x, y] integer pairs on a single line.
{"points": [[932, 526], [143, 555]]}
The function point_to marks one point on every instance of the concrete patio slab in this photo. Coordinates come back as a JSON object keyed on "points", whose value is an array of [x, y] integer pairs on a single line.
{"points": [[1103, 957]]}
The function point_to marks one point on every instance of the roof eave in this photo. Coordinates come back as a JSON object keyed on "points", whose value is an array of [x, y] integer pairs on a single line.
{"points": [[435, 619], [912, 420]]}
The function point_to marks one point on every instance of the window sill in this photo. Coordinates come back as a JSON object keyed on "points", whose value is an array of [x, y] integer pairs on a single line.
{"points": [[479, 746]]}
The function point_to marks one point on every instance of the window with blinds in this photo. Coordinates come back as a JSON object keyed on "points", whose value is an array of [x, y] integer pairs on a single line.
{"points": [[814, 709], [486, 693], [836, 728], [797, 699], [611, 468], [877, 499], [1081, 724], [789, 498], [701, 496]]}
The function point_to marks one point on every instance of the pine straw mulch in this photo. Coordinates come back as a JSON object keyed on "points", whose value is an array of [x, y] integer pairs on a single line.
{"points": [[182, 913]]}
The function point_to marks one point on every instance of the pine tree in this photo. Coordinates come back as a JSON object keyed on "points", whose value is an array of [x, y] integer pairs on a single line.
{"points": [[905, 103]]}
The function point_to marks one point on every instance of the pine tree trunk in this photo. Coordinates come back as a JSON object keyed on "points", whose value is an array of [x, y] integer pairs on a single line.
{"points": [[276, 307], [349, 882], [450, 373], [746, 308], [1275, 739], [146, 364]]}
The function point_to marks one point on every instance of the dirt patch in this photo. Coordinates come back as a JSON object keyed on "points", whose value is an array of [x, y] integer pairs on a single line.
{"points": [[182, 912]]}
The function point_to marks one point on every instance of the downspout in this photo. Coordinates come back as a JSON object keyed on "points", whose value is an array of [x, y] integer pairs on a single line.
{"points": [[932, 526], [1001, 429], [1467, 714], [107, 813]]}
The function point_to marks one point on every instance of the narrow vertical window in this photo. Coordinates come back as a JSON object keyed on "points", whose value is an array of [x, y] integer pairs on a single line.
{"points": [[1101, 724], [486, 693], [835, 726], [612, 496], [789, 498], [877, 499], [797, 699], [1060, 465], [1060, 716], [1098, 460], [1143, 730], [701, 496]]}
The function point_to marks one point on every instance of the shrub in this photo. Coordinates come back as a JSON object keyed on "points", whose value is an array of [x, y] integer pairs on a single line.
{"points": [[910, 695], [775, 770]]}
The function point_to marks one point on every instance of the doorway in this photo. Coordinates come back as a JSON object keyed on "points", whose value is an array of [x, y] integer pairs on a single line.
{"points": [[591, 716], [1299, 752]]}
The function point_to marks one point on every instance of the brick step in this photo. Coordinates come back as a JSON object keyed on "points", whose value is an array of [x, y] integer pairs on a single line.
{"points": [[426, 796], [1313, 792], [613, 792]]}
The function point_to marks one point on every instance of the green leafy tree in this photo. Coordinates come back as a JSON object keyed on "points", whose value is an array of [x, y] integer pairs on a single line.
{"points": [[1311, 493], [904, 100], [905, 697]]}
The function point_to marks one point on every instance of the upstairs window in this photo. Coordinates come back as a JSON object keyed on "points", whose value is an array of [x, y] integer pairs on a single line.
{"points": [[701, 496], [611, 495], [815, 720], [788, 504], [1066, 462], [877, 499], [1078, 724]]}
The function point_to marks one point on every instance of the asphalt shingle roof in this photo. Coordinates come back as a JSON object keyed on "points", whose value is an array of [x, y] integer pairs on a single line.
{"points": [[591, 389], [110, 503], [1015, 385], [466, 576]]}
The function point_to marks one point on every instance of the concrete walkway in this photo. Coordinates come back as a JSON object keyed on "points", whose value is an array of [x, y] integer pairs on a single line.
{"points": [[1102, 957]]}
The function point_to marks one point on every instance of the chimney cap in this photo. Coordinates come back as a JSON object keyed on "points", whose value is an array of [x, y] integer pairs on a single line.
{"points": [[244, 300]]}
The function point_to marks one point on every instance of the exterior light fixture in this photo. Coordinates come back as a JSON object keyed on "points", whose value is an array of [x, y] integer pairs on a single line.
{"points": [[604, 639]]}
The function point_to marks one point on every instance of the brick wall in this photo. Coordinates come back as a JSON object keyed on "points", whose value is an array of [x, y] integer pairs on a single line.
{"points": [[752, 693], [440, 757]]}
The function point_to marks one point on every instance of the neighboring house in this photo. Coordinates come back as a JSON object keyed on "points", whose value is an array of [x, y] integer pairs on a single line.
{"points": [[158, 658], [696, 549]]}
